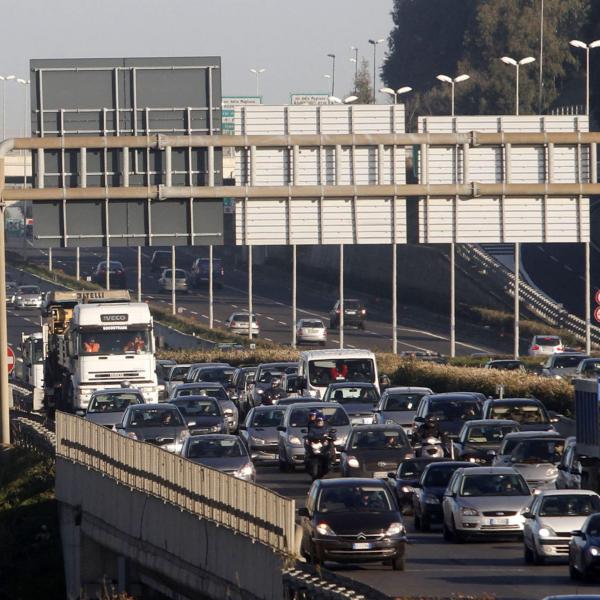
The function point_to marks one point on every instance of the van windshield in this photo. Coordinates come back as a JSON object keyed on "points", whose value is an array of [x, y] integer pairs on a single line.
{"points": [[323, 372], [119, 341]]}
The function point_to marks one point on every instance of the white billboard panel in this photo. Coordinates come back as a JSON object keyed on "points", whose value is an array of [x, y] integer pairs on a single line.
{"points": [[498, 220]]}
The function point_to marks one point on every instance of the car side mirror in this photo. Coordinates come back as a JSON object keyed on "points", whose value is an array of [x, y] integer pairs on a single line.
{"points": [[417, 485], [419, 419], [242, 427], [303, 512], [576, 469], [527, 514], [392, 475], [578, 533], [282, 428]]}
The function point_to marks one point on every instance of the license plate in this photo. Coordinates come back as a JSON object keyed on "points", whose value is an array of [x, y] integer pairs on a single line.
{"points": [[381, 474], [498, 521], [362, 546], [350, 312]]}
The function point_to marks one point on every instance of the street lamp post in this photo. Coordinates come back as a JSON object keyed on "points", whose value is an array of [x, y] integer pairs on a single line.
{"points": [[396, 93], [375, 43], [332, 56], [257, 72], [355, 61], [587, 48], [453, 82], [517, 64], [4, 80], [25, 83], [346, 100]]}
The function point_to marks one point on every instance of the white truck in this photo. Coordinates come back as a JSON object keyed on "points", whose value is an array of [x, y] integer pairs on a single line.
{"points": [[29, 367], [94, 341]]}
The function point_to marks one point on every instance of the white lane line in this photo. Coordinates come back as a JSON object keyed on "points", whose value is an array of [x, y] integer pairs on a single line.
{"points": [[217, 321], [193, 312], [350, 346], [554, 258], [568, 267], [439, 337], [268, 339], [234, 305], [282, 322], [151, 297], [270, 318], [204, 316], [182, 308]]}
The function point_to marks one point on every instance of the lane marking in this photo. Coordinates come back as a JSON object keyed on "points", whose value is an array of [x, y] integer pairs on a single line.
{"points": [[216, 320], [568, 267], [193, 312], [282, 322], [268, 339], [204, 316], [554, 258], [233, 305], [270, 318]]}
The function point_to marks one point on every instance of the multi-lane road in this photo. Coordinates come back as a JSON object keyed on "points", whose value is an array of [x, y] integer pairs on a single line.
{"points": [[419, 328]]}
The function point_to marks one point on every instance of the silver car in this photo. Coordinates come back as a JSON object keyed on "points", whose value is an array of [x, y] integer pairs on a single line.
{"points": [[543, 345], [28, 296], [238, 322], [398, 405], [260, 432], [226, 453], [214, 390], [108, 406], [484, 501], [537, 459], [553, 515], [175, 376], [562, 365], [311, 331], [290, 443], [166, 284]]}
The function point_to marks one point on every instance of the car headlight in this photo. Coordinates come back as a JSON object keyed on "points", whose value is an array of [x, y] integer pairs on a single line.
{"points": [[468, 512], [406, 489], [552, 472], [545, 532], [431, 499], [216, 428], [295, 440], [245, 472], [228, 412], [594, 550], [395, 529], [131, 434], [558, 377], [353, 462], [260, 391], [324, 529], [258, 441]]}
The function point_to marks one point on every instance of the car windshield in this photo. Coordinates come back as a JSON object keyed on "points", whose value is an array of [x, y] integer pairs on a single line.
{"points": [[376, 439], [494, 485], [29, 289], [590, 366], [402, 402], [221, 375], [354, 395], [271, 417], [506, 365], [521, 413], [593, 527], [214, 392], [179, 274], [114, 266], [538, 451], [113, 401], [547, 340], [454, 410], [565, 362], [154, 417], [311, 324], [198, 407], [243, 318], [411, 469], [178, 373], [352, 498], [488, 434], [439, 476], [351, 305], [208, 447], [266, 374], [114, 341], [577, 505], [334, 417], [323, 372]]}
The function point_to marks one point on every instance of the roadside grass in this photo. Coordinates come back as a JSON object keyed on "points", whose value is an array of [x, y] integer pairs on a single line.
{"points": [[31, 563]]}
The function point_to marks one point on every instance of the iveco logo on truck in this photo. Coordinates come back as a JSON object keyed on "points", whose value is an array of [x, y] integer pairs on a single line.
{"points": [[116, 318]]}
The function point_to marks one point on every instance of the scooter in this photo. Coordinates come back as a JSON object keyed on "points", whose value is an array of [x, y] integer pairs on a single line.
{"points": [[430, 447], [318, 455]]}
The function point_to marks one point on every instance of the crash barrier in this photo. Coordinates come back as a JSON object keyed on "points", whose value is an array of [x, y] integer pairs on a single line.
{"points": [[304, 582], [538, 303], [32, 434], [245, 508]]}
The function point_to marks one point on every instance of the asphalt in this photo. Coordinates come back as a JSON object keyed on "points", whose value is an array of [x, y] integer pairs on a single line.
{"points": [[419, 328]]}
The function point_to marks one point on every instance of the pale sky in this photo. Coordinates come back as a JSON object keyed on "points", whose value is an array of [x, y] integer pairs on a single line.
{"points": [[289, 38]]}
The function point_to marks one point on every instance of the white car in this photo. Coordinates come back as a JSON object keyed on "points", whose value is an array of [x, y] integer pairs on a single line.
{"points": [[551, 518], [28, 296], [238, 323], [165, 283], [543, 345], [311, 331]]}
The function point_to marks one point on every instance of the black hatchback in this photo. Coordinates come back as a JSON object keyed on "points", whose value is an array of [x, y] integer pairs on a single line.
{"points": [[352, 520]]}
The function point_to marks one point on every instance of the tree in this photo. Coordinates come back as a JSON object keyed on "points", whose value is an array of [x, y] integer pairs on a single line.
{"points": [[362, 84]]}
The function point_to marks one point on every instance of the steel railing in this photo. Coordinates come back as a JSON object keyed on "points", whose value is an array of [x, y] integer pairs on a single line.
{"points": [[245, 508], [537, 302]]}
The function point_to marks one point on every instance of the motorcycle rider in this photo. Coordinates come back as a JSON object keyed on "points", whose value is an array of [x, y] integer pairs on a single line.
{"points": [[429, 429], [274, 393], [318, 432]]}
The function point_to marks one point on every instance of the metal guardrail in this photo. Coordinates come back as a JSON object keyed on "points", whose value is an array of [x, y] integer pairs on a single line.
{"points": [[537, 302], [246, 508]]}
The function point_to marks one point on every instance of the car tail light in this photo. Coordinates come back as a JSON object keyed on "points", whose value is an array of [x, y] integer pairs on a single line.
{"points": [[535, 347], [233, 323], [560, 348], [363, 312]]}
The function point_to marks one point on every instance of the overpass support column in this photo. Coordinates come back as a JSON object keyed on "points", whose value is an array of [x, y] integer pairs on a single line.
{"points": [[210, 287], [588, 309], [70, 534], [341, 319], [139, 273], [173, 296], [517, 297], [452, 299], [294, 295], [4, 389], [77, 262], [394, 298], [250, 291]]}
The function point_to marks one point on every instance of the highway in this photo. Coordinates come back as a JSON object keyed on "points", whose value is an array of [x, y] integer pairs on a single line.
{"points": [[419, 328]]}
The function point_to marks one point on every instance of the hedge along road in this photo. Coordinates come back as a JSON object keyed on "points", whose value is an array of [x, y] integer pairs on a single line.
{"points": [[435, 568], [419, 329]]}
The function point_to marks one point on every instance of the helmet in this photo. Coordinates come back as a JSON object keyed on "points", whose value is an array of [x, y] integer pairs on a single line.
{"points": [[430, 420], [312, 415]]}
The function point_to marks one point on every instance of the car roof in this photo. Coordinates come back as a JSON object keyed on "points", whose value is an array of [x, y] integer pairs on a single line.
{"points": [[492, 471], [198, 384], [214, 436], [154, 406], [532, 434], [271, 365], [559, 354], [455, 396], [452, 463], [353, 481], [265, 408], [513, 401], [406, 388], [421, 459], [317, 404], [377, 427], [191, 397], [489, 422], [350, 384], [545, 493]]}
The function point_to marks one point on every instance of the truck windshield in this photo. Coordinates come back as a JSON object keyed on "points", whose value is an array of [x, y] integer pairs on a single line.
{"points": [[115, 342], [323, 372]]}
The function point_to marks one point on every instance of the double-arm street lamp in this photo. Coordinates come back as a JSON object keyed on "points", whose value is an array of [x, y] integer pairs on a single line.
{"points": [[257, 72], [517, 64], [396, 93], [375, 43], [587, 48], [453, 82]]}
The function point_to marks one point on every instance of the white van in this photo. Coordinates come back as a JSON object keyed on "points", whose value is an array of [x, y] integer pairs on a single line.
{"points": [[318, 368]]}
